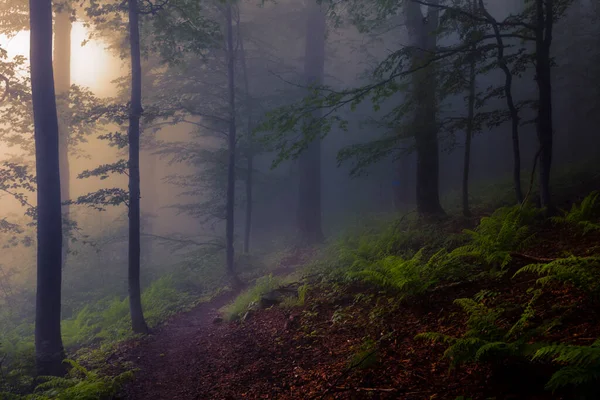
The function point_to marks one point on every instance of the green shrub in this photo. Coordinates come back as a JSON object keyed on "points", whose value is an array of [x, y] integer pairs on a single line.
{"points": [[505, 231], [583, 272], [486, 339], [79, 384], [586, 215], [580, 364], [109, 319], [412, 276]]}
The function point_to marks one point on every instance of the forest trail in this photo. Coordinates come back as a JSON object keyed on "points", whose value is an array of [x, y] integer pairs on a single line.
{"points": [[171, 360], [190, 355]]}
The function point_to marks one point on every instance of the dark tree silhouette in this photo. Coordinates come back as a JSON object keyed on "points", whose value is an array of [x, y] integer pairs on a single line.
{"points": [[230, 208], [138, 323], [49, 350], [544, 10], [309, 161], [249, 145], [422, 30]]}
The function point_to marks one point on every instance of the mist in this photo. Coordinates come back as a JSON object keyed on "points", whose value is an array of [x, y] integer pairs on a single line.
{"points": [[262, 136]]}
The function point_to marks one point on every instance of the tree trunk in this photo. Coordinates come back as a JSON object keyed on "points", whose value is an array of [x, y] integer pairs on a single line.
{"points": [[49, 351], [423, 38], [138, 324], [309, 162], [544, 82], [148, 204], [249, 184], [62, 84], [469, 135], [514, 113], [249, 147], [230, 207]]}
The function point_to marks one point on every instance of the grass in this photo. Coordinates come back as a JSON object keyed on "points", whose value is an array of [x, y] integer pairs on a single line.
{"points": [[263, 285]]}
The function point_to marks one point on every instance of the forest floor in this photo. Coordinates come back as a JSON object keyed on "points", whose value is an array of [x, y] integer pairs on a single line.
{"points": [[325, 349]]}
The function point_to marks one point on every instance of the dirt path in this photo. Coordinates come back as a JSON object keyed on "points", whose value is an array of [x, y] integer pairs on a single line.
{"points": [[170, 359], [190, 355]]}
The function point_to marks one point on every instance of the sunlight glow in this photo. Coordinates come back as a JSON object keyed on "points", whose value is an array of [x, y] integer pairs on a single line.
{"points": [[91, 65]]}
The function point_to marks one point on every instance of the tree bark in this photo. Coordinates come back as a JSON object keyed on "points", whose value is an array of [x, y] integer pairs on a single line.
{"points": [[138, 323], [62, 84], [230, 206], [422, 31], [309, 162], [249, 147], [514, 113], [544, 127], [469, 135], [49, 349]]}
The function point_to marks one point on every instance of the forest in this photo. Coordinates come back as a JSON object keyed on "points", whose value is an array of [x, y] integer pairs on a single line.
{"points": [[285, 199]]}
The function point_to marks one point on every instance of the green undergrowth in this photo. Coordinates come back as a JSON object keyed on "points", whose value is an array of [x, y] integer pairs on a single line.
{"points": [[92, 329], [412, 258], [408, 260], [494, 334], [262, 286], [585, 216], [79, 384]]}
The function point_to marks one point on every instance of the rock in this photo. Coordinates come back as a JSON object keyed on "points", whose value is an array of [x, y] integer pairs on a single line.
{"points": [[276, 296], [217, 320]]}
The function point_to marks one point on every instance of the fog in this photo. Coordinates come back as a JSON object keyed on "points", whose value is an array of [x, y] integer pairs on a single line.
{"points": [[187, 122]]}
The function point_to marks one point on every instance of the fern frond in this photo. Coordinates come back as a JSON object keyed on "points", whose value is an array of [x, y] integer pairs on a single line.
{"points": [[575, 355], [572, 375], [435, 337], [583, 272]]}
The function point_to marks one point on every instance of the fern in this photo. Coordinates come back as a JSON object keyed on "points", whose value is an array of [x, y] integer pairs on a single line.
{"points": [[412, 276], [585, 215], [581, 272], [496, 236], [581, 364], [484, 338], [79, 384], [520, 327]]}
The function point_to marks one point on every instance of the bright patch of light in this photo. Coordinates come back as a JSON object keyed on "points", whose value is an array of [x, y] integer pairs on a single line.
{"points": [[92, 65]]}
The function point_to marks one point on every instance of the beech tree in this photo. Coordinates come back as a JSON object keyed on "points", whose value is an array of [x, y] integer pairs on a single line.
{"points": [[309, 162], [48, 342], [422, 31], [231, 147], [138, 323]]}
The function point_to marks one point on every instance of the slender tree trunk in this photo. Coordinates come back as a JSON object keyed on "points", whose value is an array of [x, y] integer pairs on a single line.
{"points": [[249, 146], [514, 113], [309, 190], [138, 324], [230, 207], [49, 349], [62, 84], [422, 32], [544, 81], [469, 135], [148, 204], [249, 184]]}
